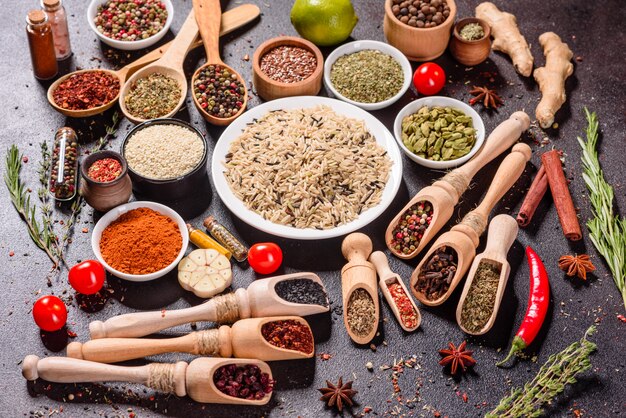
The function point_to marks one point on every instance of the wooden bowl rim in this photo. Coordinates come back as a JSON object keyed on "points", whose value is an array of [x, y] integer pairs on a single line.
{"points": [[467, 20], [445, 24]]}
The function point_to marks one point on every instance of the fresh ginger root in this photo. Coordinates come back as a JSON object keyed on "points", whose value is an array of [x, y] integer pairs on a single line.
{"points": [[551, 78], [507, 37]]}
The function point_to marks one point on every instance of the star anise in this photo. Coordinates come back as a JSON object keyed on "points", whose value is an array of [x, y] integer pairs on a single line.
{"points": [[489, 98], [338, 395], [456, 357], [576, 265]]}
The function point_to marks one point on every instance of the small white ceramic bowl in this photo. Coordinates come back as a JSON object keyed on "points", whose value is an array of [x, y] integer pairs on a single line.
{"points": [[115, 213], [433, 101], [129, 45], [357, 46]]}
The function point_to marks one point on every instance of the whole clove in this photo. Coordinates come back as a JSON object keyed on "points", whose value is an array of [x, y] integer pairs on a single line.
{"points": [[436, 275]]}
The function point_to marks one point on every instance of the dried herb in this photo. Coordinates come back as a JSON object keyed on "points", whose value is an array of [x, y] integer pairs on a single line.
{"points": [[489, 98], [361, 312], [459, 359], [560, 369], [576, 265], [472, 32], [153, 96], [481, 297], [338, 395]]}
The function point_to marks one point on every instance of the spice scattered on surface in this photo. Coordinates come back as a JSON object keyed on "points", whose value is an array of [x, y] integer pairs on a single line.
{"points": [[152, 96], [228, 240], [64, 165], [489, 98], [481, 297], [408, 314], [368, 76], [472, 32], [576, 265], [435, 276], [164, 151], [219, 91], [421, 14], [410, 229], [105, 170], [244, 382], [86, 90], [459, 358], [288, 64], [339, 395], [304, 291], [361, 312], [130, 20], [289, 334]]}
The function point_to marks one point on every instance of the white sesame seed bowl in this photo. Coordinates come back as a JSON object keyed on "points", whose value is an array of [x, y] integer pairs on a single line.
{"points": [[92, 10]]}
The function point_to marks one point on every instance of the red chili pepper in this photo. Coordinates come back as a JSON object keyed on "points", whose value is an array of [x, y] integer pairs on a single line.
{"points": [[538, 300]]}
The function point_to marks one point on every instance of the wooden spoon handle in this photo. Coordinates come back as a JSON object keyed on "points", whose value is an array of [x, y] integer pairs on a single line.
{"points": [[379, 260], [176, 53], [501, 235], [207, 16]]}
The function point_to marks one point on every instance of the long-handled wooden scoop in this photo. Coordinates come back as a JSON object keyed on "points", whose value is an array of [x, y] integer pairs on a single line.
{"points": [[501, 235], [243, 340], [444, 194], [258, 300], [231, 20], [463, 238], [194, 379], [207, 16]]}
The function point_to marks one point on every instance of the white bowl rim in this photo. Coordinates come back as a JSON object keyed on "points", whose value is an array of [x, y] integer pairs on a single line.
{"points": [[115, 213], [130, 45], [430, 101], [238, 208], [360, 45]]}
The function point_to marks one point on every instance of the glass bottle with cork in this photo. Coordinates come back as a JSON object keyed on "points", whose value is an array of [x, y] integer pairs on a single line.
{"points": [[224, 237], [39, 33], [60, 32], [202, 240]]}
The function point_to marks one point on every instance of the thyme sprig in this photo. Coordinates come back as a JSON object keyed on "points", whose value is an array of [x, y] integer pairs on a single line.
{"points": [[44, 197], [607, 230], [560, 369]]}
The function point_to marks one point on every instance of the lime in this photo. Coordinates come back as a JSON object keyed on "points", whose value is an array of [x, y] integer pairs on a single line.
{"points": [[324, 22]]}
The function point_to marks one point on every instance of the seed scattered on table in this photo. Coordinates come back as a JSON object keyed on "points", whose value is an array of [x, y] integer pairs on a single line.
{"points": [[288, 64]]}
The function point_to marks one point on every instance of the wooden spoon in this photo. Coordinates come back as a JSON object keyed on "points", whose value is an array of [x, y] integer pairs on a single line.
{"points": [[231, 20], [243, 340], [194, 379], [207, 13], [444, 194], [258, 300], [501, 235], [463, 238], [388, 277]]}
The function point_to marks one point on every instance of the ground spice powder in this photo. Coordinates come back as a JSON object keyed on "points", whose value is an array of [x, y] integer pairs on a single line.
{"points": [[141, 241]]}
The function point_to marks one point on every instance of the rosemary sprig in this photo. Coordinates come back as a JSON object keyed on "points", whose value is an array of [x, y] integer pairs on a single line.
{"points": [[560, 369], [46, 208], [607, 230]]}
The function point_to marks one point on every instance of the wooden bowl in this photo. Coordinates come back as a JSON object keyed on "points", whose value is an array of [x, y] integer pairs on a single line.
{"points": [[270, 89], [470, 52], [418, 44]]}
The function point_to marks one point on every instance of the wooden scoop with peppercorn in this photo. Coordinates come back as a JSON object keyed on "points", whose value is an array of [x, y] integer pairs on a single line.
{"points": [[206, 380], [219, 92], [447, 261], [264, 297], [429, 210], [270, 339]]}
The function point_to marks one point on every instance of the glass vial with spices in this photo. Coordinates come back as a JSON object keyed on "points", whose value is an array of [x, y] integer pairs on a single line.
{"points": [[228, 240], [64, 165], [60, 32], [39, 33], [202, 240]]}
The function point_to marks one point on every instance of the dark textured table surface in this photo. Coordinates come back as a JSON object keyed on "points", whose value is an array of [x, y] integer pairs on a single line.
{"points": [[597, 35]]}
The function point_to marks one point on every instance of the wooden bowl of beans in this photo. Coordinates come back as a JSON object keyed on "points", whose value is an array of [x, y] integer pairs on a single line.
{"points": [[287, 66], [419, 28]]}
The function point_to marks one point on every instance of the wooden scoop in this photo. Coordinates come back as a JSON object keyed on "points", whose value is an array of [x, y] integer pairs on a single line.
{"points": [[358, 274], [258, 300], [231, 20], [207, 16], [444, 194], [194, 379], [502, 233], [388, 277], [463, 238], [243, 340]]}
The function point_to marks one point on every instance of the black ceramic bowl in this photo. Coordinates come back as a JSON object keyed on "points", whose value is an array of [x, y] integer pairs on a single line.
{"points": [[173, 189]]}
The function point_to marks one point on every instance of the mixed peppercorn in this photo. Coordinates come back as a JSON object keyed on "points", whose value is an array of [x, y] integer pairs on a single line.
{"points": [[409, 231], [130, 20], [219, 91]]}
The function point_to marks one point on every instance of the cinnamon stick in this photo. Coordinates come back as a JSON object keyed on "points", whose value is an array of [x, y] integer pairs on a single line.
{"points": [[561, 195], [535, 193]]}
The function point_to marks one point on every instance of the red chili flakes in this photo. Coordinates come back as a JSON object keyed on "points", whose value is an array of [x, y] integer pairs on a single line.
{"points": [[11, 253], [408, 315], [25, 159], [71, 334], [105, 170], [84, 230], [162, 313], [86, 90], [325, 356], [289, 334], [620, 317]]}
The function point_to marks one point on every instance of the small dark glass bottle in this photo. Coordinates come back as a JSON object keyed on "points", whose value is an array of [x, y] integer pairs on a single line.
{"points": [[41, 45]]}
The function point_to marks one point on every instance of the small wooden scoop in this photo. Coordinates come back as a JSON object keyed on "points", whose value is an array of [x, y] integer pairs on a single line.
{"points": [[463, 238], [243, 340], [358, 274], [501, 235], [207, 16], [194, 379], [388, 277], [258, 300], [444, 194], [231, 20]]}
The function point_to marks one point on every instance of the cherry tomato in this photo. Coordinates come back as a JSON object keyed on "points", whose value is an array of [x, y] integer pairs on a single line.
{"points": [[429, 78], [265, 257], [50, 313], [87, 277]]}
